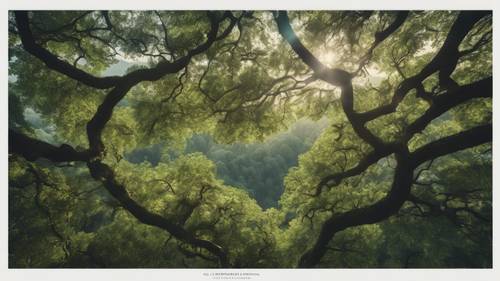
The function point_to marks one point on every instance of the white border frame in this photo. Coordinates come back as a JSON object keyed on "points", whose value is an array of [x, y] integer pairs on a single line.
{"points": [[264, 274]]}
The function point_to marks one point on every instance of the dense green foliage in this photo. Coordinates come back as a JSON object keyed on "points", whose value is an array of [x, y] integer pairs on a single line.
{"points": [[224, 144], [258, 168]]}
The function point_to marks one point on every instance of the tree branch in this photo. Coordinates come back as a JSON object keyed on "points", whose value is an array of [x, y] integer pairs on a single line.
{"points": [[32, 149], [335, 179], [466, 139], [53, 62], [444, 61], [105, 174], [376, 212], [334, 76], [105, 110], [381, 36], [444, 102]]}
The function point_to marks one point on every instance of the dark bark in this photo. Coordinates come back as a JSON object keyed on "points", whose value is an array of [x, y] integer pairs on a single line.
{"points": [[398, 22], [53, 62], [32, 149], [444, 102], [445, 62], [463, 140], [105, 110], [152, 74], [376, 212], [337, 77], [105, 174], [446, 59], [103, 114]]}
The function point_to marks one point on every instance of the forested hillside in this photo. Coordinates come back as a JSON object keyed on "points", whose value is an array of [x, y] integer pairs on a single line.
{"points": [[258, 168], [250, 139]]}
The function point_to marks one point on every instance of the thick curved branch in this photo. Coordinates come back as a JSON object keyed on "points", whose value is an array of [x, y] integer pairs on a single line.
{"points": [[289, 35], [440, 104], [341, 78], [105, 174], [376, 212], [444, 102], [95, 126], [466, 139], [334, 76], [105, 110], [358, 124], [444, 61], [384, 34], [32, 149], [151, 74], [53, 62], [103, 114], [400, 191]]}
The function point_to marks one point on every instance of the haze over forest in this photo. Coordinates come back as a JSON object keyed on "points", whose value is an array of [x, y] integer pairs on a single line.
{"points": [[250, 139]]}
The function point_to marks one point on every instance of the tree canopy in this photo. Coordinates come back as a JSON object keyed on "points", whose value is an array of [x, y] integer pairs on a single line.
{"points": [[155, 139]]}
